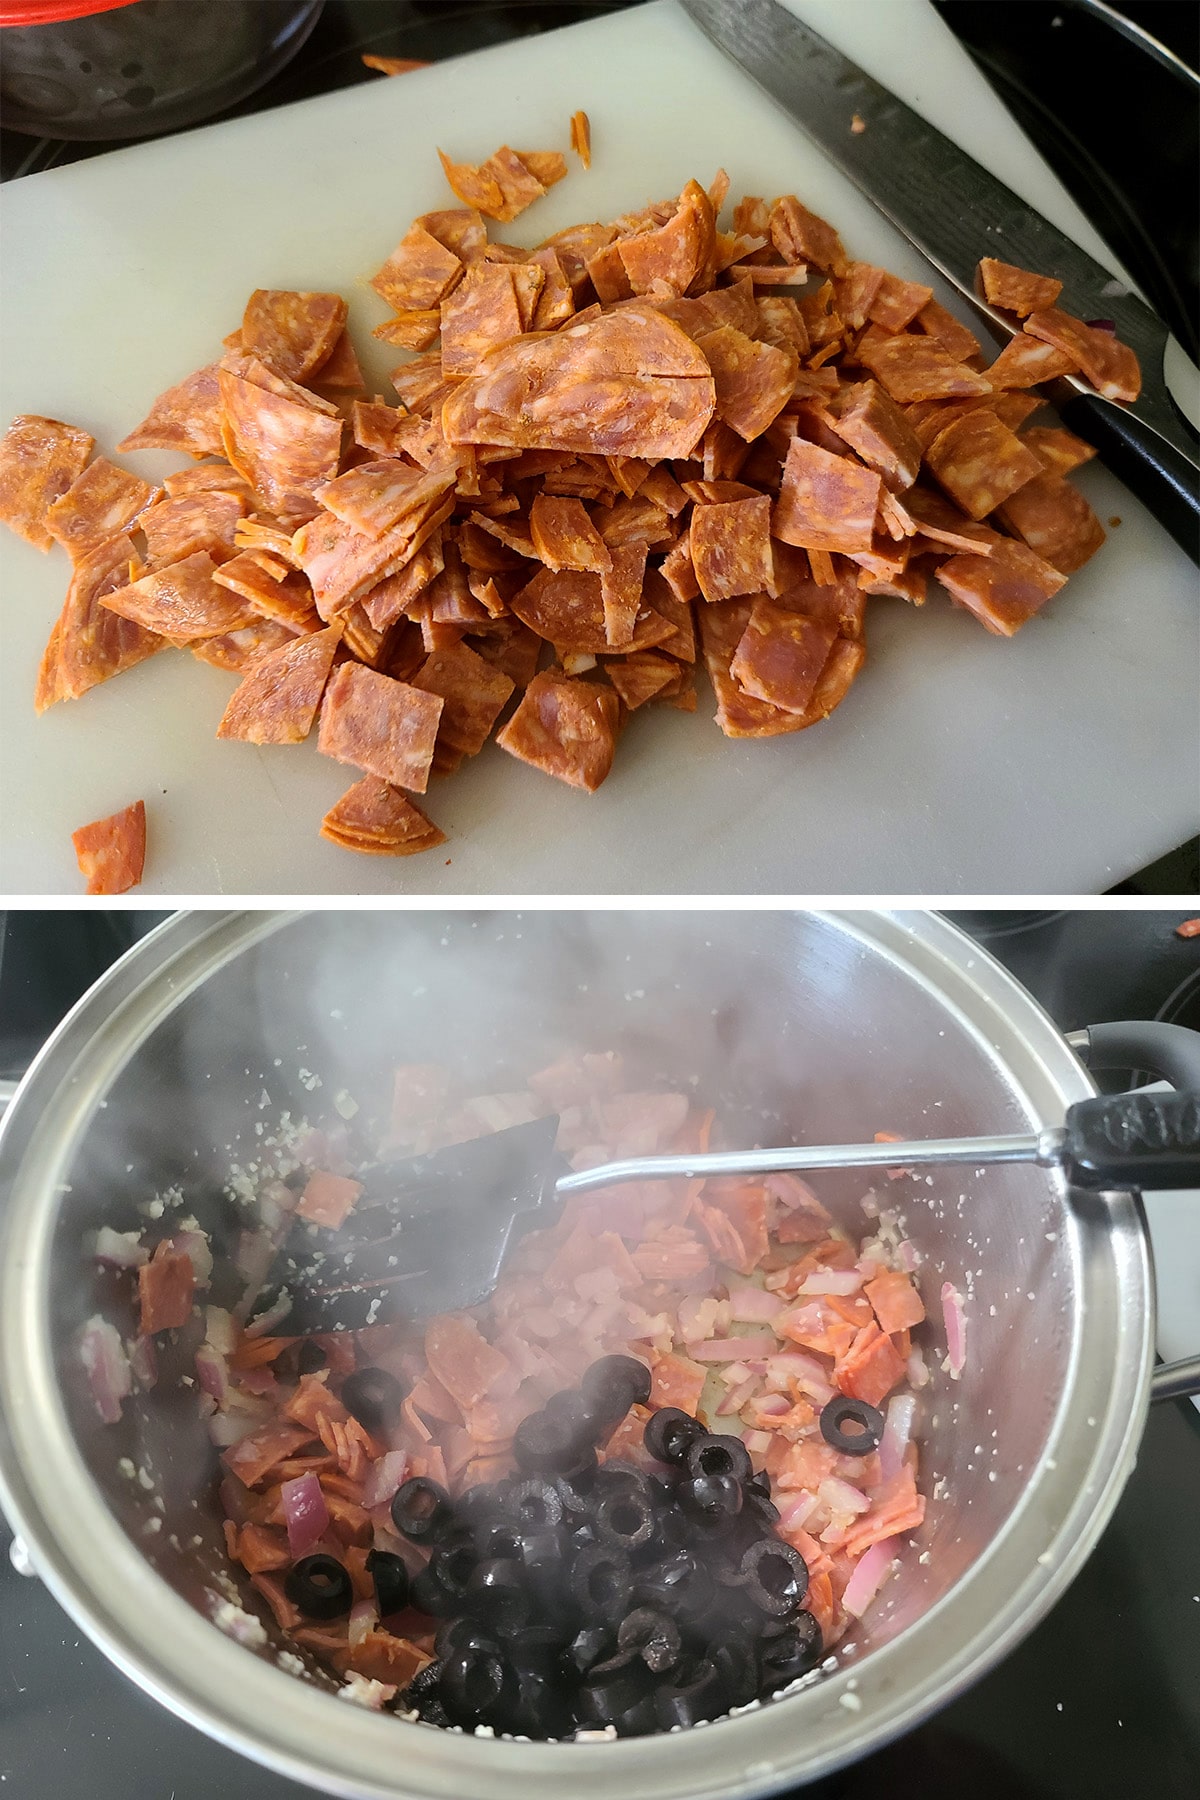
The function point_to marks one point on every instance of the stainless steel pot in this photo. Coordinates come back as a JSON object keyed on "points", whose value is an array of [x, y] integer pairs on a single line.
{"points": [[825, 1026]]}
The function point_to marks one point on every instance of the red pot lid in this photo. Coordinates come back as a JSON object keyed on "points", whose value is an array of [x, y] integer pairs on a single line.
{"points": [[49, 12]]}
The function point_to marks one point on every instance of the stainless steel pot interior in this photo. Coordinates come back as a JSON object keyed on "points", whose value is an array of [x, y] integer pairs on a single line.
{"points": [[814, 1026]]}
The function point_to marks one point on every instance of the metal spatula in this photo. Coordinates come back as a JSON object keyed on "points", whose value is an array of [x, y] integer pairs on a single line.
{"points": [[431, 1233]]}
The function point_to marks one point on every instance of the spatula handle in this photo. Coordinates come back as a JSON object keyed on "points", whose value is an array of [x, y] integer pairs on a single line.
{"points": [[1138, 1140]]}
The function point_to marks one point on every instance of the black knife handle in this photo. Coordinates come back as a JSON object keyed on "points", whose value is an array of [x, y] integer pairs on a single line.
{"points": [[1162, 477], [1137, 1140]]}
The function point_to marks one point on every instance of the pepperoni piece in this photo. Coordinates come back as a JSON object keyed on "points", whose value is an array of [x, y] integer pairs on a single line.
{"points": [[679, 571], [738, 714], [514, 650], [826, 502], [473, 693], [293, 333], [1058, 450], [388, 599], [1003, 589], [780, 655], [377, 496], [482, 312], [869, 420], [328, 1199], [239, 650], [566, 727], [1016, 290], [284, 449], [341, 368], [678, 253], [895, 303], [566, 607], [288, 599], [955, 338], [393, 65], [419, 273], [89, 644], [344, 565], [101, 502], [278, 700], [506, 183], [799, 236], [412, 330], [937, 519], [111, 854], [621, 586], [753, 381], [917, 368], [184, 417], [468, 1367], [1054, 519], [1024, 362], [731, 547], [182, 602], [980, 462], [581, 138], [376, 819], [458, 229], [178, 528], [382, 726], [629, 383], [165, 1288], [643, 676], [564, 536], [1110, 366], [40, 459]]}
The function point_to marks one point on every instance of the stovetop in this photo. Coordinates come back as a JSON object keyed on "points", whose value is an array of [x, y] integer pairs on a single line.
{"points": [[1101, 1701]]}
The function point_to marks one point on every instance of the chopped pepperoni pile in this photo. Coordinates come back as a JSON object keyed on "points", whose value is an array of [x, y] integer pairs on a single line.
{"points": [[601, 442]]}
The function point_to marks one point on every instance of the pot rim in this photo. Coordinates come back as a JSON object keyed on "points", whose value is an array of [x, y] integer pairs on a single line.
{"points": [[174, 1653]]}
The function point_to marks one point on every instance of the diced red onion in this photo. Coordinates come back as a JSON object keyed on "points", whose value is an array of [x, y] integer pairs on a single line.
{"points": [[274, 1315], [258, 1381], [870, 1573], [794, 1509], [305, 1513], [384, 1477], [220, 1330], [196, 1247], [908, 1257], [832, 1281], [143, 1361], [896, 1432], [737, 1397], [107, 1366], [807, 1373], [363, 1616], [772, 1406], [1102, 325], [212, 1372], [120, 1249], [252, 1258], [757, 1442], [751, 1305], [206, 1406], [840, 1497], [228, 1428], [956, 1328], [276, 1202], [718, 1350], [916, 1370]]}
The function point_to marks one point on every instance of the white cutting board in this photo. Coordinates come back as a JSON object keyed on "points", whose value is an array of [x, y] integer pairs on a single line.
{"points": [[961, 763]]}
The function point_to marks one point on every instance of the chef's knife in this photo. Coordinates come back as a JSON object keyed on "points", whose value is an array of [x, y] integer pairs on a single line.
{"points": [[954, 211]]}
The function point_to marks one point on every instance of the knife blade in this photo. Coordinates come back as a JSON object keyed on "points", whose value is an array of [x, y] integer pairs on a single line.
{"points": [[955, 211]]}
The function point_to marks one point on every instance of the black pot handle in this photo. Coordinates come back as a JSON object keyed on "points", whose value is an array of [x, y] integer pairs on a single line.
{"points": [[1139, 1140], [1172, 1052], [1163, 479]]}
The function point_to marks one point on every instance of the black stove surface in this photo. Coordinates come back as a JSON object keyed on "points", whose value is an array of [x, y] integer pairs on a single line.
{"points": [[1101, 1701]]}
